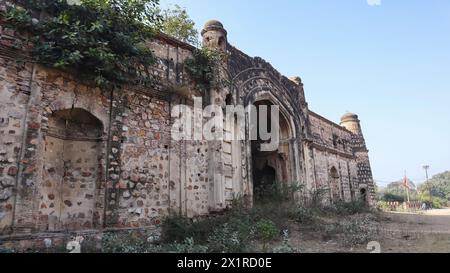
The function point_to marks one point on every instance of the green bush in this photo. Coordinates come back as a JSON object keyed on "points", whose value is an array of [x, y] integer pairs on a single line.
{"points": [[266, 231], [277, 192], [187, 246], [391, 197], [285, 247], [383, 206], [203, 68], [231, 232], [178, 24], [229, 239], [357, 231], [439, 203], [177, 229], [351, 208], [278, 212], [317, 196], [128, 242], [305, 215]]}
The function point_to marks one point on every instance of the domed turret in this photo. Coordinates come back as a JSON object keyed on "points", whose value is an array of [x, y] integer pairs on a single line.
{"points": [[213, 24], [295, 79], [214, 35], [350, 121]]}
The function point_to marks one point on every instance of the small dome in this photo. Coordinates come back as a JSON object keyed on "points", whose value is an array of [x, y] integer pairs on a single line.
{"points": [[213, 24], [296, 80], [349, 116]]}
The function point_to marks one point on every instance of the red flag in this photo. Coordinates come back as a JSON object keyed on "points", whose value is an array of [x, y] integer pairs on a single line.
{"points": [[405, 183]]}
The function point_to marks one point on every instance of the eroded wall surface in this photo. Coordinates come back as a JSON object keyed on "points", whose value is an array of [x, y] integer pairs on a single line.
{"points": [[336, 161], [74, 157], [55, 175]]}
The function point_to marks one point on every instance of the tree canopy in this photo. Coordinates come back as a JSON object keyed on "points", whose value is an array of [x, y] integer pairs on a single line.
{"points": [[439, 185], [103, 40], [177, 23]]}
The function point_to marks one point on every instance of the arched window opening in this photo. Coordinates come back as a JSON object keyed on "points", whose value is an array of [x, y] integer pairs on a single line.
{"points": [[334, 184], [363, 195]]}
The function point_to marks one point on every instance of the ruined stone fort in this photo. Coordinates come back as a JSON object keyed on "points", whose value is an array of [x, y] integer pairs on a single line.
{"points": [[76, 158]]}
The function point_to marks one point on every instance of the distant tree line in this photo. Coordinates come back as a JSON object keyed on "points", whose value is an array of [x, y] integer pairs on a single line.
{"points": [[439, 186]]}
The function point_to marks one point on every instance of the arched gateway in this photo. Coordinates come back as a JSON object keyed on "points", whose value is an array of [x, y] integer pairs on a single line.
{"points": [[274, 168]]}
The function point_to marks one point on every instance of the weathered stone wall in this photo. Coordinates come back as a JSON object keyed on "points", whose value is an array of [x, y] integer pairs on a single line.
{"points": [[335, 148], [330, 135], [14, 95], [62, 172], [54, 180], [74, 157], [254, 80]]}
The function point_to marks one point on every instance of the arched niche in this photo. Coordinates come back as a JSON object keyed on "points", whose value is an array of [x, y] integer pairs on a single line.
{"points": [[72, 171], [334, 184], [363, 195]]}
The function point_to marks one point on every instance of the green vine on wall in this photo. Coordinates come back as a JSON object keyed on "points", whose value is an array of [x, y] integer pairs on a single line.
{"points": [[204, 68], [102, 40]]}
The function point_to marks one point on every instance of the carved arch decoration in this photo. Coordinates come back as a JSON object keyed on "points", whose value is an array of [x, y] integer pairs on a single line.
{"points": [[256, 84]]}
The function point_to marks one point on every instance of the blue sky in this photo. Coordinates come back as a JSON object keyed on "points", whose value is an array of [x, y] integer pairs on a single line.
{"points": [[390, 64]]}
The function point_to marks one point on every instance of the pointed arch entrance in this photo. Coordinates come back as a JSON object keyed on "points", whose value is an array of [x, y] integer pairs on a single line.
{"points": [[272, 169]]}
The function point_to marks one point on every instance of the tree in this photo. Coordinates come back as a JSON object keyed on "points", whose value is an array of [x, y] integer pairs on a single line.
{"points": [[177, 23], [103, 40], [439, 186], [395, 192]]}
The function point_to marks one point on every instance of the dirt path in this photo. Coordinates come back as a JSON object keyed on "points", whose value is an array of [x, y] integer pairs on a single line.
{"points": [[445, 212], [427, 232], [433, 221]]}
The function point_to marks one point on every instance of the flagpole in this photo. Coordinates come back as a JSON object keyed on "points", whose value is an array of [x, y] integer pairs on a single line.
{"points": [[407, 187], [407, 194], [405, 184]]}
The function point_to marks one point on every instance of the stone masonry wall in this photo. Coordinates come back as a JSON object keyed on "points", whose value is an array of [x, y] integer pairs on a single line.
{"points": [[77, 158], [14, 95], [332, 149], [143, 173]]}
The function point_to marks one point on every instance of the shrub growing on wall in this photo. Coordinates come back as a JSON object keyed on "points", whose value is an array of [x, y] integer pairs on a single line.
{"points": [[203, 68]]}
